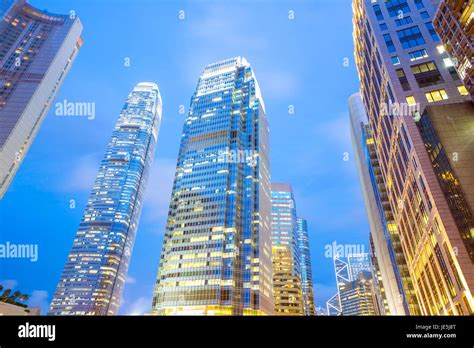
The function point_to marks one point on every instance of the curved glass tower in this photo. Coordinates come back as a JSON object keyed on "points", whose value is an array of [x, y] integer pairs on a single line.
{"points": [[36, 52], [94, 275], [216, 256]]}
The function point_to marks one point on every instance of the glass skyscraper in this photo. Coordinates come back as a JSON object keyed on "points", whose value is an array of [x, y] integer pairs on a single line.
{"points": [[287, 280], [36, 52], [216, 255], [394, 291], [305, 261], [94, 275], [403, 68]]}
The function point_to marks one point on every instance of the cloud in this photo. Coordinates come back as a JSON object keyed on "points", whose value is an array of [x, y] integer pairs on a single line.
{"points": [[39, 299], [9, 284], [83, 174], [140, 306], [130, 280]]}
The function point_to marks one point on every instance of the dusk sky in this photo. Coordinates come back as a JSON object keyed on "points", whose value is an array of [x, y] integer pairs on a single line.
{"points": [[298, 62]]}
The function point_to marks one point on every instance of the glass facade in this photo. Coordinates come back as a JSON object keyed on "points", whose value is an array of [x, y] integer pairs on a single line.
{"points": [[394, 291], [216, 255], [36, 53], [357, 297], [305, 261], [454, 24], [394, 106], [94, 275], [287, 275]]}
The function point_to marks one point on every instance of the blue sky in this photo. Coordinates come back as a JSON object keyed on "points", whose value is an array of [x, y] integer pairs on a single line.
{"points": [[297, 62]]}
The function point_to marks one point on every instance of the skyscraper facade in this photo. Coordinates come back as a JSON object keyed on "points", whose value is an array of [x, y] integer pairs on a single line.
{"points": [[347, 270], [394, 291], [305, 262], [357, 297], [216, 255], [37, 51], [287, 276], [454, 22], [94, 275], [402, 69]]}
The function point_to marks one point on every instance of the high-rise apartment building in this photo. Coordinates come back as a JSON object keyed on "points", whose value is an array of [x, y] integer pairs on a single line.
{"points": [[287, 276], [216, 255], [305, 265], [36, 53], [402, 69], [454, 22], [94, 275], [394, 291]]}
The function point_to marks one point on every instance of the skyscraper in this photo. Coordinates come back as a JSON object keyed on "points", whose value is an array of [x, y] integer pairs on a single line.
{"points": [[287, 276], [347, 270], [305, 262], [37, 50], [389, 260], [357, 297], [454, 22], [402, 69], [216, 255], [94, 275]]}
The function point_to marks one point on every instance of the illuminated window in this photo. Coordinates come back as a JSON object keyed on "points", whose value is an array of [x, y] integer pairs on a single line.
{"points": [[437, 95], [420, 54], [448, 62], [440, 49], [462, 90], [411, 100]]}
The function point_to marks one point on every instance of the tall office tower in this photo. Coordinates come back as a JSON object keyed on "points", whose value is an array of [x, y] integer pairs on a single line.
{"points": [[346, 270], [36, 52], [357, 297], [305, 263], [287, 280], [401, 71], [216, 255], [454, 22], [94, 275], [389, 260]]}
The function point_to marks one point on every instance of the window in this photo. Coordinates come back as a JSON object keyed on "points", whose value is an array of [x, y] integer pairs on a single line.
{"points": [[378, 12], [433, 33], [410, 37], [403, 79], [426, 74], [411, 100], [402, 21], [419, 4], [437, 95], [424, 15], [395, 60], [383, 26], [420, 54], [397, 8], [440, 49], [389, 43], [462, 90], [448, 62]]}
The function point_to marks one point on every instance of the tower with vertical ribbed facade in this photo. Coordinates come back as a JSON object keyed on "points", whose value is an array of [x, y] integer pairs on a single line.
{"points": [[305, 262], [36, 53], [216, 254], [94, 275]]}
